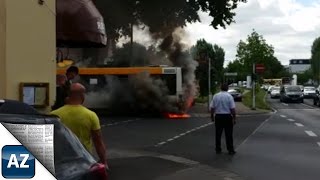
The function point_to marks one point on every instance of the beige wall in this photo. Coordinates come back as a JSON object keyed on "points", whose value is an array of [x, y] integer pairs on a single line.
{"points": [[29, 46], [2, 48]]}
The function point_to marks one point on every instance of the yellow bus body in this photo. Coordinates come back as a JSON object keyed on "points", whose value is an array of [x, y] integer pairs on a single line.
{"points": [[115, 71]]}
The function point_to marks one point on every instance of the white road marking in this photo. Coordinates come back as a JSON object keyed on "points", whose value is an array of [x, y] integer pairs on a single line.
{"points": [[310, 133], [299, 124], [306, 105], [162, 143], [302, 109], [121, 122], [318, 143], [183, 134], [285, 104], [256, 130], [283, 116], [291, 120]]}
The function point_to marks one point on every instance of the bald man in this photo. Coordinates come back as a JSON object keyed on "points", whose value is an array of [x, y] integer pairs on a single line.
{"points": [[83, 122]]}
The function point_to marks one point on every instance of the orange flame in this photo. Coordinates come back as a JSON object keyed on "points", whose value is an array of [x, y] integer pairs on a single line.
{"points": [[177, 116], [189, 102]]}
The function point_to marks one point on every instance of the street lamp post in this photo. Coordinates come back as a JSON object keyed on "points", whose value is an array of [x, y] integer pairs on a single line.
{"points": [[253, 87], [209, 83]]}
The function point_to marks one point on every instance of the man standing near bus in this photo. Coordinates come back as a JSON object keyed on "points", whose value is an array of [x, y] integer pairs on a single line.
{"points": [[73, 75], [83, 122], [223, 113]]}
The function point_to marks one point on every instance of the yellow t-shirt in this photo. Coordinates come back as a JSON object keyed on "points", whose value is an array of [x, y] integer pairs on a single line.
{"points": [[81, 121]]}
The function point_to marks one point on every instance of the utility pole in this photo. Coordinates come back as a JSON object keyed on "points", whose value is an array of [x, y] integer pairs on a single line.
{"points": [[253, 87], [209, 82]]}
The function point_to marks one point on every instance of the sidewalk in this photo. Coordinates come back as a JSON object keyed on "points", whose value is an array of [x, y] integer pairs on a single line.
{"points": [[202, 110]]}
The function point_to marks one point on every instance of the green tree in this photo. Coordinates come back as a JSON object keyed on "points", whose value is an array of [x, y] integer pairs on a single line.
{"points": [[217, 64], [237, 66], [256, 50], [304, 77], [162, 16], [203, 52], [315, 59]]}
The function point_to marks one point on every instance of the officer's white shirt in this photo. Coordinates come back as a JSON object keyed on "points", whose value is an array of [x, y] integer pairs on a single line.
{"points": [[222, 102]]}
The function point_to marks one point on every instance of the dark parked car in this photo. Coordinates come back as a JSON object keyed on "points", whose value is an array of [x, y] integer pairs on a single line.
{"points": [[289, 93], [236, 94], [71, 160], [316, 98]]}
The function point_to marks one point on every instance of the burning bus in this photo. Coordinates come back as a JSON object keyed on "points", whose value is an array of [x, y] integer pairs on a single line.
{"points": [[133, 90]]}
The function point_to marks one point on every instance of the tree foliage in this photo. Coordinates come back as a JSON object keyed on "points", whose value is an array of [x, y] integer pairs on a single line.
{"points": [[303, 78], [237, 66], [162, 16], [315, 59], [203, 52], [256, 50]]}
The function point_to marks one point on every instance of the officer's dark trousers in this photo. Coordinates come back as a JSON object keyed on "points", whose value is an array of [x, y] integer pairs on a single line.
{"points": [[224, 122]]}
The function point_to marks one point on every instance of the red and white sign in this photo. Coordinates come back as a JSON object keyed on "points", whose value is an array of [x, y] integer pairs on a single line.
{"points": [[259, 68]]}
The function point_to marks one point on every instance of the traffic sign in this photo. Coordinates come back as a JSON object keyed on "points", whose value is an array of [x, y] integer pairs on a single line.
{"points": [[259, 68]]}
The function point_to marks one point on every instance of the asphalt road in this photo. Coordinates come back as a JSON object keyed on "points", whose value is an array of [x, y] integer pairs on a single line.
{"points": [[134, 144], [281, 145], [286, 146]]}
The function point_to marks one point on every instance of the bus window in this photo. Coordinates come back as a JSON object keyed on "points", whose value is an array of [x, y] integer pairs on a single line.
{"points": [[170, 81]]}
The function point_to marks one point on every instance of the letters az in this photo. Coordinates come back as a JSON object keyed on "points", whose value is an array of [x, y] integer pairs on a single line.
{"points": [[14, 161]]}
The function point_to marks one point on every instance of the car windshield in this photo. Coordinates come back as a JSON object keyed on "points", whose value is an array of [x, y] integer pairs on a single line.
{"points": [[309, 89], [276, 89], [293, 89], [234, 90]]}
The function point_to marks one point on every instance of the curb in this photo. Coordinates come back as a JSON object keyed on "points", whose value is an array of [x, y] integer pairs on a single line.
{"points": [[206, 115]]}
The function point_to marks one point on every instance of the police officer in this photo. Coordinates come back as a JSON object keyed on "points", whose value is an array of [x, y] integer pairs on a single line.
{"points": [[224, 115]]}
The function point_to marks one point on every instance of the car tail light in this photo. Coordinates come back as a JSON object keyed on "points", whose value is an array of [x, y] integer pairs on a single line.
{"points": [[98, 171]]}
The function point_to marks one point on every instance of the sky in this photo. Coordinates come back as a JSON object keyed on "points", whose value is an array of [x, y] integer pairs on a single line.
{"points": [[290, 26]]}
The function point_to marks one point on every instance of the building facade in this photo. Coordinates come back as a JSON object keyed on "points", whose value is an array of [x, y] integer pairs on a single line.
{"points": [[299, 65], [27, 46]]}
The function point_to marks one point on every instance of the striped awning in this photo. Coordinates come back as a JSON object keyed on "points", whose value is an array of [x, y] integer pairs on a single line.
{"points": [[79, 24]]}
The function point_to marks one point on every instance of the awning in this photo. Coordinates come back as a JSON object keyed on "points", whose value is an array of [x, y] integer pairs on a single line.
{"points": [[79, 24]]}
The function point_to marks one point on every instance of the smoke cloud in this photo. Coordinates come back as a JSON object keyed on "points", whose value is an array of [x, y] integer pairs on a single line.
{"points": [[141, 93]]}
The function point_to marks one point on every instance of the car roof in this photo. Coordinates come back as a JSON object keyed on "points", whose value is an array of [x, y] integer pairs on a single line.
{"points": [[16, 107]]}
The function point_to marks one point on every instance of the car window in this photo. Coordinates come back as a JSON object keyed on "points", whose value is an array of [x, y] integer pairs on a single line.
{"points": [[309, 88], [234, 90], [293, 89]]}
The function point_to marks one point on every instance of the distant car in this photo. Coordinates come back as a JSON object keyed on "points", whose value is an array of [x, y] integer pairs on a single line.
{"points": [[71, 160], [270, 88], [265, 87], [275, 92], [316, 98], [289, 93], [233, 85], [309, 92], [236, 94]]}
